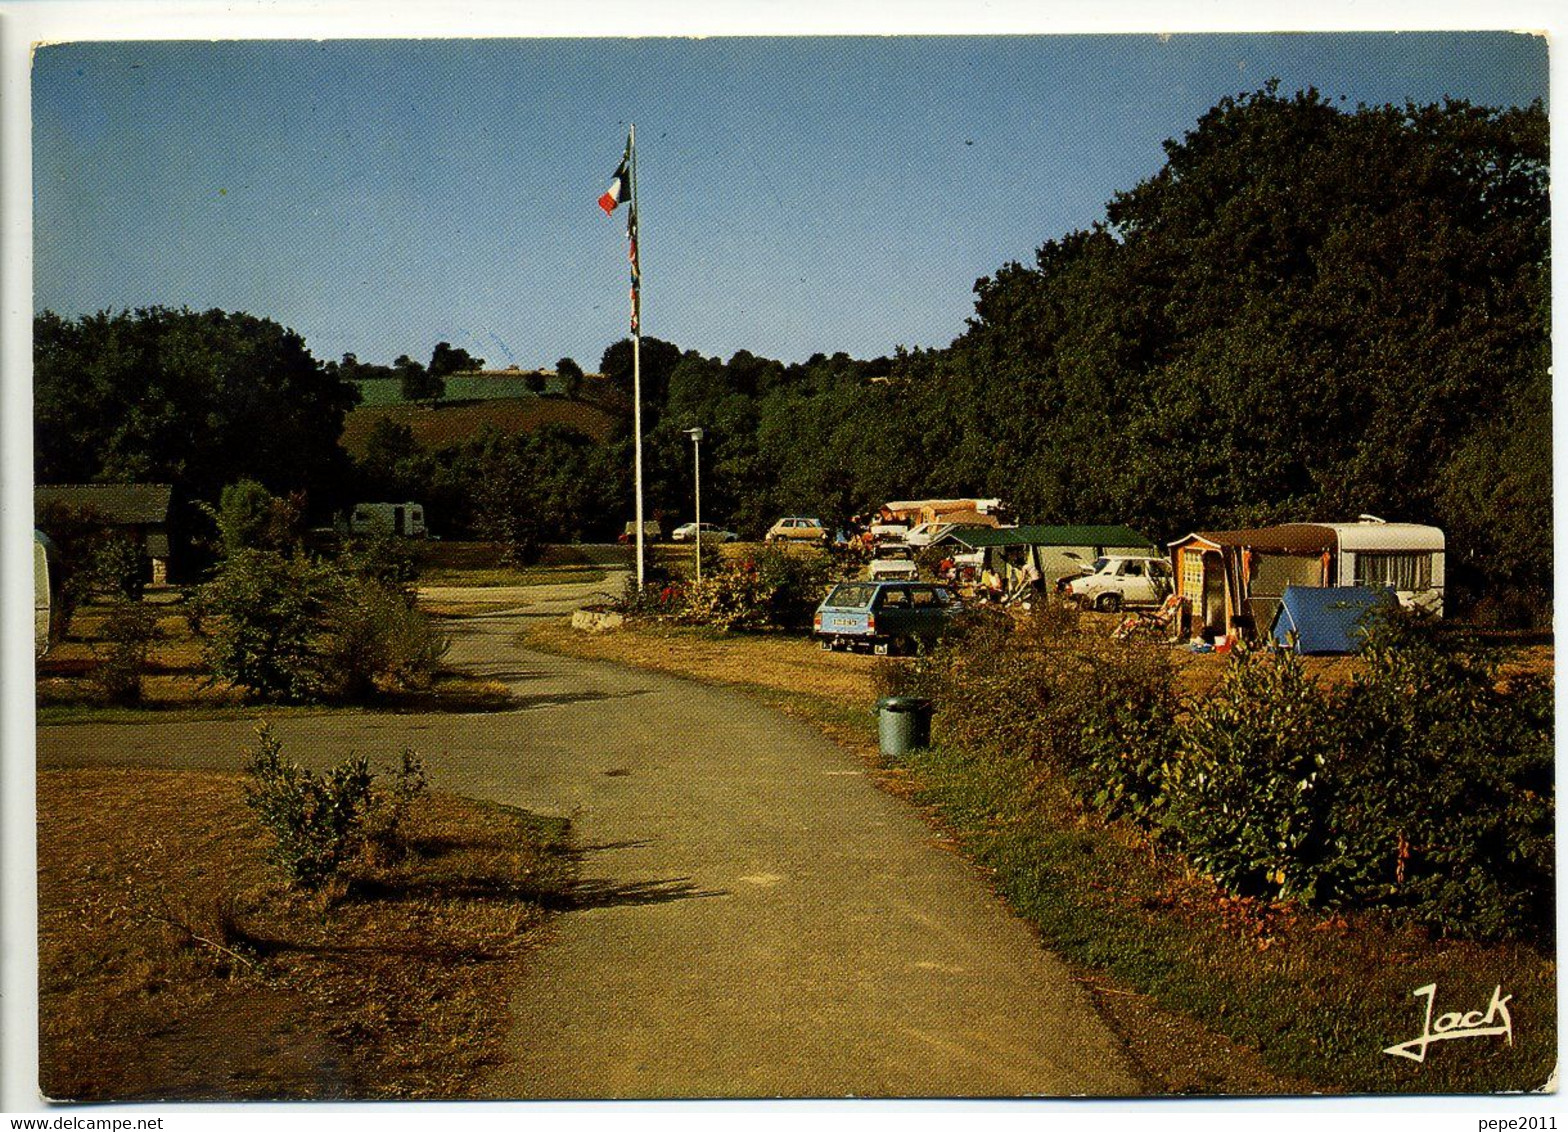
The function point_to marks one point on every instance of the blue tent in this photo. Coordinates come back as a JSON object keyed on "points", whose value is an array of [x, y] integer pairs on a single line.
{"points": [[1326, 619]]}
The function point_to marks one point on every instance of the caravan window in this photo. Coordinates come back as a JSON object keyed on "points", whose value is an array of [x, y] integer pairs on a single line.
{"points": [[1405, 572]]}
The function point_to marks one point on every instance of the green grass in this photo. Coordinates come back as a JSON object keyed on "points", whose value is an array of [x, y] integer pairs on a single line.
{"points": [[379, 391]]}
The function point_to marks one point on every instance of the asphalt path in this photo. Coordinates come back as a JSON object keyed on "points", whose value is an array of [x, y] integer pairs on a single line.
{"points": [[754, 917]]}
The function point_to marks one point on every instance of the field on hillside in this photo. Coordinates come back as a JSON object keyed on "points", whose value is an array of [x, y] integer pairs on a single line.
{"points": [[446, 425], [377, 391]]}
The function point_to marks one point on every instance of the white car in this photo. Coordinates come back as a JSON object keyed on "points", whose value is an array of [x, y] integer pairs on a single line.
{"points": [[1123, 583], [895, 561], [711, 532]]}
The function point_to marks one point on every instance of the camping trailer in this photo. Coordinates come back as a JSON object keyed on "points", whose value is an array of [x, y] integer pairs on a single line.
{"points": [[1233, 581], [44, 581], [402, 520]]}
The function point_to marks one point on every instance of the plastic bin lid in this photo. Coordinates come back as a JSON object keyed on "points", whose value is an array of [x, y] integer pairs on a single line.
{"points": [[902, 703]]}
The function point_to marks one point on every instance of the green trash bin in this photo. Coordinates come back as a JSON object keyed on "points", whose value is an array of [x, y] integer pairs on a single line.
{"points": [[903, 723]]}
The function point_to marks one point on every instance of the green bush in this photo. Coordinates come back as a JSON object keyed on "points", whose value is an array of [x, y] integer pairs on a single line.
{"points": [[262, 612], [1099, 714], [118, 566], [1249, 794], [1446, 787], [322, 822], [374, 639], [383, 558], [1424, 787], [285, 627], [131, 628]]}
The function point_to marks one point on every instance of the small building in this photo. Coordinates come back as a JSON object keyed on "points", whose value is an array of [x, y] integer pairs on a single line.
{"points": [[1232, 581], [136, 511], [1056, 551]]}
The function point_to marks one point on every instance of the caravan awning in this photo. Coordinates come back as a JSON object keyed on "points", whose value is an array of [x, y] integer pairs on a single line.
{"points": [[1290, 538]]}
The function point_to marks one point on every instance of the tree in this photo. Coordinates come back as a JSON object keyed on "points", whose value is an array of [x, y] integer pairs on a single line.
{"points": [[198, 399], [445, 361], [536, 382], [418, 383], [571, 375], [659, 359]]}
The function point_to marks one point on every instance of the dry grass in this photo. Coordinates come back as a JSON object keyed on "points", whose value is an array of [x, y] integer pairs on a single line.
{"points": [[772, 662], [173, 962]]}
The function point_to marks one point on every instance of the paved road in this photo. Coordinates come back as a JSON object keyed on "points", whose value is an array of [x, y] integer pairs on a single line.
{"points": [[759, 919]]}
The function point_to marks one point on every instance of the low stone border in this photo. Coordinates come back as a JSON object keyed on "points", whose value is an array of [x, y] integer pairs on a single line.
{"points": [[597, 621]]}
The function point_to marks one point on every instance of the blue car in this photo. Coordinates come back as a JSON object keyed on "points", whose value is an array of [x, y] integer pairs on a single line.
{"points": [[884, 617]]}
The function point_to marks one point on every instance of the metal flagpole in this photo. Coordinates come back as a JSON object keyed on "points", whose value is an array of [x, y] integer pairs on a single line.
{"points": [[636, 351]]}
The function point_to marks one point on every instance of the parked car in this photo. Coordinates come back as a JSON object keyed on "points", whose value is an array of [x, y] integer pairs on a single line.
{"points": [[889, 530], [797, 528], [894, 560], [1123, 583], [884, 617], [650, 532], [687, 532]]}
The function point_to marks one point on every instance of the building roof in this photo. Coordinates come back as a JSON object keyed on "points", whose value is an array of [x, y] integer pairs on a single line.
{"points": [[124, 504], [1039, 535], [1288, 538]]}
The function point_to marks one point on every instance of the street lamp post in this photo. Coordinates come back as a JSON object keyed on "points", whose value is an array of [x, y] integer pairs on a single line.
{"points": [[696, 459]]}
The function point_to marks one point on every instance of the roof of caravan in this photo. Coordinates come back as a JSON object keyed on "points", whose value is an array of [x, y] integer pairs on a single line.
{"points": [[120, 503], [1387, 536]]}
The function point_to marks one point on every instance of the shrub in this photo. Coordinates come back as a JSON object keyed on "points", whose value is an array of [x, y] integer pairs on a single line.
{"points": [[1446, 791], [774, 590], [287, 628], [1423, 787], [382, 558], [317, 821], [1100, 714], [374, 637], [118, 566], [321, 822], [1249, 795], [262, 610], [130, 629]]}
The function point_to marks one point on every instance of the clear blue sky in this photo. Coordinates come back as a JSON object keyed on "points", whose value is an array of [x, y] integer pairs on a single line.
{"points": [[796, 195]]}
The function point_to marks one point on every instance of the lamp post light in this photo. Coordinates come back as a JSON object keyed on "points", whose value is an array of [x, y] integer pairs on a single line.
{"points": [[696, 459]]}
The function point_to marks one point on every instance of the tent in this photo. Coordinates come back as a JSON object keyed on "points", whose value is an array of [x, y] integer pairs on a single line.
{"points": [[1314, 620]]}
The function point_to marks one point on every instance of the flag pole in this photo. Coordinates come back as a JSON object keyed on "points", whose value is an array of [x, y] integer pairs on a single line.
{"points": [[631, 146]]}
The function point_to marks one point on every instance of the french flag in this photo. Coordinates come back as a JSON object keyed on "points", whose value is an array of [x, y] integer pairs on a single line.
{"points": [[617, 192]]}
